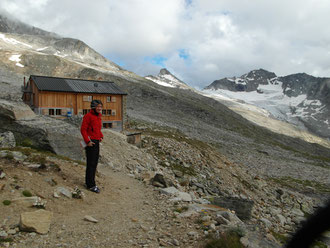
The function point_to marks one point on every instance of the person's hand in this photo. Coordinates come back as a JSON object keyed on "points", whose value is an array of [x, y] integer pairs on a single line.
{"points": [[101, 139], [90, 143]]}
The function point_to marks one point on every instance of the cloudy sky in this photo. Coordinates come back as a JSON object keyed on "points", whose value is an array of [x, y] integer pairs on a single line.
{"points": [[199, 41]]}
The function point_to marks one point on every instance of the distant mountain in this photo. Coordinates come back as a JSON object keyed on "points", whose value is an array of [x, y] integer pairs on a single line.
{"points": [[27, 50], [300, 98], [11, 25], [165, 78]]}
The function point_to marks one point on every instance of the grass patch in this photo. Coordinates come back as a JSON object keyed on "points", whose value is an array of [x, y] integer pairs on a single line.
{"points": [[6, 240], [293, 182], [306, 155], [40, 159], [181, 209], [280, 237], [318, 244], [26, 142], [6, 202], [176, 135], [27, 193], [9, 156], [229, 239], [28, 151]]}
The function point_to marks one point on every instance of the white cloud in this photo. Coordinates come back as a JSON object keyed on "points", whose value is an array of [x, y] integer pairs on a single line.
{"points": [[220, 37]]}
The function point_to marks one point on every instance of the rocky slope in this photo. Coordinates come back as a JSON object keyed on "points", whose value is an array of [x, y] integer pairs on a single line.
{"points": [[174, 211], [300, 99]]}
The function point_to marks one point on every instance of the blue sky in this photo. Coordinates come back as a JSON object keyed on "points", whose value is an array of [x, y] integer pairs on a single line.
{"points": [[198, 40]]}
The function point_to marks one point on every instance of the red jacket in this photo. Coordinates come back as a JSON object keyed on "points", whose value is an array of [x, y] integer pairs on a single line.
{"points": [[91, 126]]}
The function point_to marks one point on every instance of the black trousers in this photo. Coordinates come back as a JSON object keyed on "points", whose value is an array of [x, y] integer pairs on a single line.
{"points": [[92, 157]]}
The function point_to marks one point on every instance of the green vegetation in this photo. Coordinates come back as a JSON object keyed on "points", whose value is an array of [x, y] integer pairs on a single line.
{"points": [[307, 155], [181, 209], [238, 230], [319, 244], [26, 142], [40, 159], [6, 240], [9, 156], [229, 239], [6, 202], [293, 183], [32, 152], [27, 193], [280, 237]]}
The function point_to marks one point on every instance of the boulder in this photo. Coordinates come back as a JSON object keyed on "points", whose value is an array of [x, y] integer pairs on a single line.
{"points": [[7, 139], [26, 201], [182, 196], [242, 207], [38, 221], [169, 191], [90, 219], [159, 181], [64, 191], [42, 132], [15, 110]]}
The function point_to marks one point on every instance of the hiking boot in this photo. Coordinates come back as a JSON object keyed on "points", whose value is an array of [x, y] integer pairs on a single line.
{"points": [[95, 189]]}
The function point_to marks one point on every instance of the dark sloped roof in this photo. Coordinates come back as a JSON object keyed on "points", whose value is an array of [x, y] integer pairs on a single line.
{"points": [[76, 85]]}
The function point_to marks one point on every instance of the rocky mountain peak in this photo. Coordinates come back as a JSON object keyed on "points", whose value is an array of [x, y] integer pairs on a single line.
{"points": [[260, 75], [164, 71], [10, 25], [166, 78]]}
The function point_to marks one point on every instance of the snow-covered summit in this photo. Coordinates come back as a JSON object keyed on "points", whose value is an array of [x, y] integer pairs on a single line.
{"points": [[167, 79]]}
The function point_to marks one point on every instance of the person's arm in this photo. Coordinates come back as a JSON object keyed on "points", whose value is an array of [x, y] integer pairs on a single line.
{"points": [[101, 132], [84, 127]]}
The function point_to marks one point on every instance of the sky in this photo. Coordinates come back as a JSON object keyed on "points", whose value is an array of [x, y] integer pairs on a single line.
{"points": [[198, 41]]}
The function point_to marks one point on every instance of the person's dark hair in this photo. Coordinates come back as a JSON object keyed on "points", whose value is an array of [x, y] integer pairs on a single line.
{"points": [[94, 103]]}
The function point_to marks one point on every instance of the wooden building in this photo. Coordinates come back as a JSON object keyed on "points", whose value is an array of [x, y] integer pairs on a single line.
{"points": [[66, 97]]}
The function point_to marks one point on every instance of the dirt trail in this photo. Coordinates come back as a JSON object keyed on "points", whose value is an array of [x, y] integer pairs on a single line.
{"points": [[130, 213], [125, 209]]}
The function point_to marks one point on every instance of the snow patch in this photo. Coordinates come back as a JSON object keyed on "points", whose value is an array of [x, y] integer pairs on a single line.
{"points": [[16, 58], [160, 82], [312, 103], [41, 49], [13, 41], [58, 53]]}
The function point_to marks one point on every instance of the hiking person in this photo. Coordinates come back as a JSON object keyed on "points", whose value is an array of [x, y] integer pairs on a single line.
{"points": [[92, 135]]}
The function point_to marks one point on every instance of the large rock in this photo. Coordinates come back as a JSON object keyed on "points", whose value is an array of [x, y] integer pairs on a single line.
{"points": [[7, 139], [38, 221], [15, 110], [242, 207], [42, 132]]}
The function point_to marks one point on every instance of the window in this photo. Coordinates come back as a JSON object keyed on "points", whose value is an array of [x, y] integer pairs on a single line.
{"points": [[104, 112], [108, 111], [113, 99], [51, 112], [87, 98], [108, 98], [114, 112], [58, 111]]}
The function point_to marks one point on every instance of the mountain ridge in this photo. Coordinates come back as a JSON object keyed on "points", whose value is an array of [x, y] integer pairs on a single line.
{"points": [[304, 98]]}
